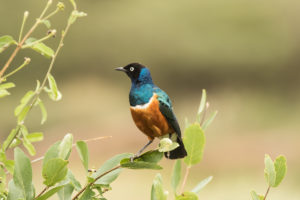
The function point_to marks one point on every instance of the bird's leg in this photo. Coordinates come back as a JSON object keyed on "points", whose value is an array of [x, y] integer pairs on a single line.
{"points": [[140, 151]]}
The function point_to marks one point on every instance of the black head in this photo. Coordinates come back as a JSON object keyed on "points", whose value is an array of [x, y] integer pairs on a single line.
{"points": [[136, 72]]}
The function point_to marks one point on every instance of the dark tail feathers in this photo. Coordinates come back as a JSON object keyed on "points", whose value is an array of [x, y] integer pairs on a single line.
{"points": [[177, 153]]}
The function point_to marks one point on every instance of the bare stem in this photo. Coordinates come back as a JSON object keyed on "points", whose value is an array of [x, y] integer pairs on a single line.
{"points": [[26, 62], [267, 193], [187, 171], [52, 33], [90, 184], [42, 192], [22, 26]]}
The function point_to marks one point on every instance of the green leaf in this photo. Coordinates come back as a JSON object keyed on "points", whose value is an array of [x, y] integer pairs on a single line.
{"points": [[4, 93], [202, 184], [280, 168], [50, 193], [65, 146], [2, 180], [9, 139], [87, 194], [176, 175], [35, 137], [53, 92], [157, 191], [66, 192], [47, 23], [30, 148], [194, 142], [109, 164], [16, 142], [40, 47], [51, 153], [7, 85], [153, 156], [23, 114], [209, 120], [75, 14], [166, 144], [6, 41], [24, 101], [14, 192], [187, 196], [43, 110], [202, 105], [75, 183], [139, 165], [147, 160], [83, 152], [54, 171], [270, 174], [9, 165], [256, 196], [22, 177]]}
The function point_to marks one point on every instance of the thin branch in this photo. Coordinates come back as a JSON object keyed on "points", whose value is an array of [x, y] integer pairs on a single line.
{"points": [[20, 44], [90, 184], [187, 171], [26, 62], [265, 197], [42, 192], [26, 13]]}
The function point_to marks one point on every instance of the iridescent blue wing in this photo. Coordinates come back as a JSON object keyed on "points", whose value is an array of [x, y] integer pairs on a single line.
{"points": [[165, 107]]}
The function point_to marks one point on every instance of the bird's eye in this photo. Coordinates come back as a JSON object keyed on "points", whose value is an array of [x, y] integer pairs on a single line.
{"points": [[131, 69]]}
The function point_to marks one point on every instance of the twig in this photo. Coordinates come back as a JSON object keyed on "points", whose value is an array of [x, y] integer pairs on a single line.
{"points": [[20, 44], [26, 62], [265, 197], [90, 184], [42, 192], [187, 171]]}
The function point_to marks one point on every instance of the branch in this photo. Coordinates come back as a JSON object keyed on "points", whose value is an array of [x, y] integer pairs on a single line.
{"points": [[90, 184], [42, 192], [267, 193], [187, 171], [20, 44]]}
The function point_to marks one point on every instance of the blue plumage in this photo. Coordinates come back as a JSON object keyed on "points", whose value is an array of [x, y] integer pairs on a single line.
{"points": [[141, 93]]}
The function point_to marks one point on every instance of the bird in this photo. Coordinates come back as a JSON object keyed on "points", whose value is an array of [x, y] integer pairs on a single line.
{"points": [[151, 109]]}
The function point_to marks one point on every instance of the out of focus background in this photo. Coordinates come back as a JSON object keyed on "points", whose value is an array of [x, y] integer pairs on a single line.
{"points": [[244, 53]]}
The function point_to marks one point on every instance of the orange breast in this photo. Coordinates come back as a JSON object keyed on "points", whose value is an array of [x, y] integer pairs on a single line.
{"points": [[149, 119]]}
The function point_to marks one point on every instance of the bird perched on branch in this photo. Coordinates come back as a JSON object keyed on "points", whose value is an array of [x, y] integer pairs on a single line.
{"points": [[151, 109]]}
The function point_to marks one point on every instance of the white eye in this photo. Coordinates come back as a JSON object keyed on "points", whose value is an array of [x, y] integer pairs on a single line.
{"points": [[131, 69]]}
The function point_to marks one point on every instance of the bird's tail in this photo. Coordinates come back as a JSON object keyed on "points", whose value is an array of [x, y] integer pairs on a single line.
{"points": [[177, 153]]}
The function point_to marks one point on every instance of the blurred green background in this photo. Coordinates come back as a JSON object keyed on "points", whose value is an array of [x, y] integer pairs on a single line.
{"points": [[244, 52]]}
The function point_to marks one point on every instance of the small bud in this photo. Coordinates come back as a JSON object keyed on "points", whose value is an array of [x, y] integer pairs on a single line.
{"points": [[51, 32], [26, 13], [60, 6], [27, 60], [49, 2]]}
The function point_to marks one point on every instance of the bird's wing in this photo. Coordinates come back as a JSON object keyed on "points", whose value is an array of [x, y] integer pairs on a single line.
{"points": [[165, 107]]}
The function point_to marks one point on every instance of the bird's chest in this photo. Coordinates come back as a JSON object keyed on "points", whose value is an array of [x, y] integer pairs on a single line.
{"points": [[149, 119]]}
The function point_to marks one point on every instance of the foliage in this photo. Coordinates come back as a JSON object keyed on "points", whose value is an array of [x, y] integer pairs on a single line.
{"points": [[274, 174]]}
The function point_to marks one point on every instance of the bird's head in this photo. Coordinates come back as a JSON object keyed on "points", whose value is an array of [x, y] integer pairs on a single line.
{"points": [[138, 73]]}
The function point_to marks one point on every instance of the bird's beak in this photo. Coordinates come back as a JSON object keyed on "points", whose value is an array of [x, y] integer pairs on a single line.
{"points": [[121, 69]]}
